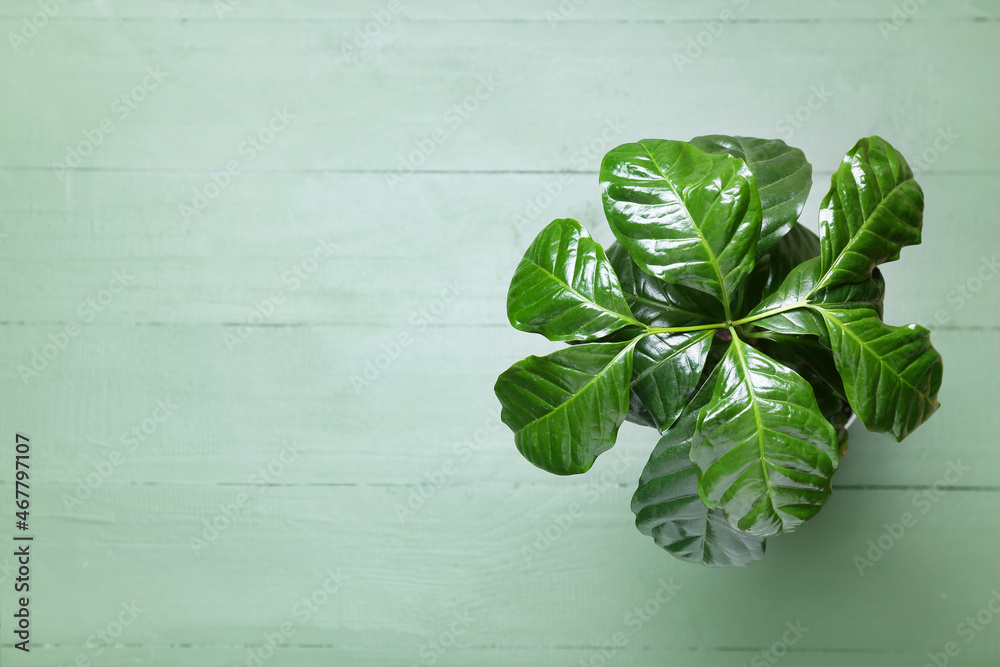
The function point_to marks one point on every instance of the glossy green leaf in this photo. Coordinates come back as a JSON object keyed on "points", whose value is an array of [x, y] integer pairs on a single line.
{"points": [[684, 215], [832, 402], [874, 208], [565, 408], [836, 410], [665, 372], [783, 175], [788, 301], [892, 374], [565, 289], [744, 338], [657, 303], [716, 351], [801, 288], [667, 506], [795, 247], [808, 352], [764, 452]]}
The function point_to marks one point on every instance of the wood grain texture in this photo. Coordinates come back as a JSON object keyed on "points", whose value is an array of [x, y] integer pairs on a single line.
{"points": [[374, 229], [235, 411], [200, 271], [510, 10], [408, 589], [549, 92]]}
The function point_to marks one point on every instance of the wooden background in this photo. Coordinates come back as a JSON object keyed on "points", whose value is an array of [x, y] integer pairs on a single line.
{"points": [[207, 449]]}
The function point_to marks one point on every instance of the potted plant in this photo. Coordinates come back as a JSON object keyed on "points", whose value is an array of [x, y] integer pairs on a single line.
{"points": [[743, 338]]}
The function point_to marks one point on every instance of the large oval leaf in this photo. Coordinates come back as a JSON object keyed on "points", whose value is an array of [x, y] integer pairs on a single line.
{"points": [[783, 175], [874, 208], [658, 303], [891, 374], [684, 215], [764, 452], [565, 289], [665, 372], [565, 408], [667, 506]]}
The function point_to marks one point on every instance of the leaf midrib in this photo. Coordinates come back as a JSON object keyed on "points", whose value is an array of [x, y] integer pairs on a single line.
{"points": [[737, 344], [694, 340], [585, 385], [871, 351], [724, 297], [833, 265], [584, 298]]}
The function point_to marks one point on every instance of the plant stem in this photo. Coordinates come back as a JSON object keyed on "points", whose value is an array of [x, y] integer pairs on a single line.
{"points": [[698, 327], [725, 325], [768, 313]]}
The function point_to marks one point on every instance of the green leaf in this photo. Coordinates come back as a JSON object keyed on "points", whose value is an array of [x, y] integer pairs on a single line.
{"points": [[788, 301], [637, 412], [801, 288], [658, 303], [565, 408], [665, 372], [764, 452], [783, 175], [891, 374], [565, 288], [795, 247], [874, 208], [804, 355], [836, 410], [667, 506], [684, 215], [804, 352], [808, 358]]}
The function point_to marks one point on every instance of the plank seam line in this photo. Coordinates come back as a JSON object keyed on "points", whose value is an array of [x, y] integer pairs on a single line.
{"points": [[516, 21], [323, 325], [480, 647], [476, 483], [416, 172]]}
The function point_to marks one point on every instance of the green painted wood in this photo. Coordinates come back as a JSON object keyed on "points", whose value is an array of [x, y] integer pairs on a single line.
{"points": [[233, 412], [402, 584], [463, 657], [217, 91], [198, 271], [383, 483], [311, 10]]}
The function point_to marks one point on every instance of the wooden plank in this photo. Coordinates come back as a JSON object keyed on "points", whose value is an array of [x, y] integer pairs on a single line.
{"points": [[321, 656], [381, 483], [391, 257], [170, 656], [510, 10], [520, 82], [431, 409], [481, 552]]}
